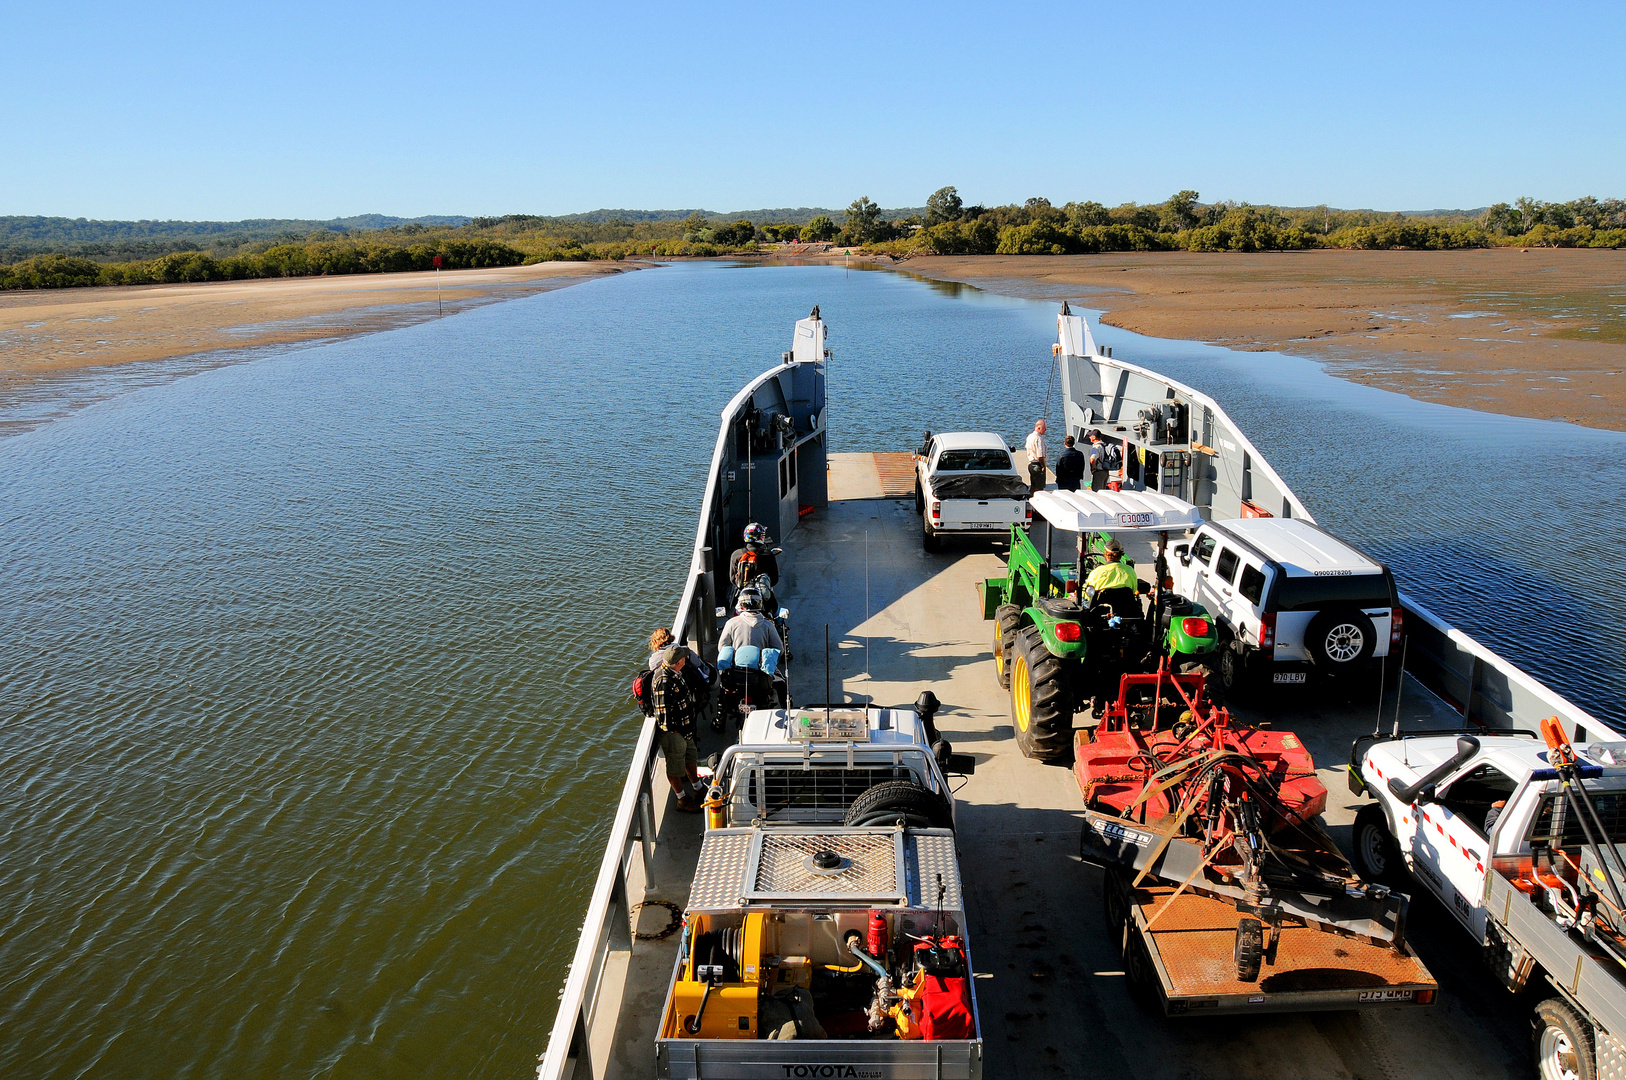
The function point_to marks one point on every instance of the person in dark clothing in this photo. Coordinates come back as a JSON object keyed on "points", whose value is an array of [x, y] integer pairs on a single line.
{"points": [[1098, 462], [754, 558], [1069, 467], [675, 713]]}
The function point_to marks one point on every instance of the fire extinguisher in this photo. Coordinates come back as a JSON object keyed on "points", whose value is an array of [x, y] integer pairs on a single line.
{"points": [[877, 934]]}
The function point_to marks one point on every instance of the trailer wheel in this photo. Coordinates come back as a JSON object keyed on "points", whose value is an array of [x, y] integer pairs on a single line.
{"points": [[1377, 856], [1114, 908], [928, 537], [1138, 972], [1007, 620], [1249, 950], [1041, 707], [1563, 1043]]}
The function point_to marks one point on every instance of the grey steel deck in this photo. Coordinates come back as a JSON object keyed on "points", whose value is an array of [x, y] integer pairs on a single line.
{"points": [[1049, 983]]}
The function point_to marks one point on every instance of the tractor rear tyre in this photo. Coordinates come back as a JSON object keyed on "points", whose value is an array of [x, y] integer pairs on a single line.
{"points": [[1007, 620], [1041, 705], [1250, 948]]}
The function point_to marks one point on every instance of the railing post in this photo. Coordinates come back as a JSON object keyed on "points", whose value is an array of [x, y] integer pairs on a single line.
{"points": [[581, 1049], [646, 834], [705, 619], [1475, 672], [620, 913]]}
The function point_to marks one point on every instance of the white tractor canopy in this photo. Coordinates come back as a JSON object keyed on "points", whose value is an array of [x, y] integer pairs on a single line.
{"points": [[1115, 511]]}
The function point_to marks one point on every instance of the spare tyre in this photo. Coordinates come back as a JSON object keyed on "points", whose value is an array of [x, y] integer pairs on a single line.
{"points": [[891, 800], [1340, 639]]}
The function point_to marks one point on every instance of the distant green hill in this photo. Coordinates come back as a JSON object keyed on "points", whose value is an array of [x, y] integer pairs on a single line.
{"points": [[784, 215]]}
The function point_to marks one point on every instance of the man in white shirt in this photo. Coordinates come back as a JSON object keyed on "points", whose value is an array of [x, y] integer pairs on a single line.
{"points": [[1036, 465]]}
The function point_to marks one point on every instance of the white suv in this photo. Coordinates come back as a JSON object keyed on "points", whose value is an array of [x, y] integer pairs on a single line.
{"points": [[1293, 600]]}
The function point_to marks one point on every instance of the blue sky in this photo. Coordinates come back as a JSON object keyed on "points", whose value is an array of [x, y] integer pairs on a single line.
{"points": [[226, 111]]}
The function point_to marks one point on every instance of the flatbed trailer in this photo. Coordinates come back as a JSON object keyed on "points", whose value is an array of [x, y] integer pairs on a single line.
{"points": [[1178, 957]]}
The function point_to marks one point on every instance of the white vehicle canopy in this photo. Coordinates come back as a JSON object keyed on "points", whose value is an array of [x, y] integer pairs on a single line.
{"points": [[1115, 511]]}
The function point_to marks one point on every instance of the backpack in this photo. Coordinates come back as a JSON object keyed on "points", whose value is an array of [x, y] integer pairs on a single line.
{"points": [[643, 691], [746, 571], [1115, 456]]}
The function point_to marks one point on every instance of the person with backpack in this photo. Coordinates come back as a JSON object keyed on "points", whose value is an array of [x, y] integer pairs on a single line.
{"points": [[1098, 462], [752, 560], [676, 711], [701, 675]]}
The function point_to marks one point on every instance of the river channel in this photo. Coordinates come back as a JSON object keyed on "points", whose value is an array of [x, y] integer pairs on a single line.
{"points": [[312, 667]]}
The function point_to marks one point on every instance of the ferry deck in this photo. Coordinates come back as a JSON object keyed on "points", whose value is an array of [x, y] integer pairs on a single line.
{"points": [[1049, 982]]}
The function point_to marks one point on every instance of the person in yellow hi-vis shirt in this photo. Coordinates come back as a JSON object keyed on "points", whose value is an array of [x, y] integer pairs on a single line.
{"points": [[1112, 574]]}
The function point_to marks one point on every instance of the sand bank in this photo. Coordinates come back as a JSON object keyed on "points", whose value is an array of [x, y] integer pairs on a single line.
{"points": [[45, 332], [1537, 333]]}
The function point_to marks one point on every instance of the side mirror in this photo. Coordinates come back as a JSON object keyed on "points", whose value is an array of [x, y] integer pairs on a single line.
{"points": [[963, 764], [1182, 551], [777, 550], [784, 613]]}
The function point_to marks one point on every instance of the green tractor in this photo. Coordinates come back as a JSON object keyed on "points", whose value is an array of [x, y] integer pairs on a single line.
{"points": [[1057, 650]]}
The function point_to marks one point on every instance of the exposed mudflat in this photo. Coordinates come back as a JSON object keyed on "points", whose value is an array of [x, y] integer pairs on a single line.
{"points": [[1537, 332]]}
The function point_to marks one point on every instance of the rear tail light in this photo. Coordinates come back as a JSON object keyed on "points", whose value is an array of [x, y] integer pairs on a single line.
{"points": [[1425, 997], [1027, 511], [1072, 587], [1397, 624], [1195, 627], [1267, 630], [1168, 583], [1067, 631], [937, 509]]}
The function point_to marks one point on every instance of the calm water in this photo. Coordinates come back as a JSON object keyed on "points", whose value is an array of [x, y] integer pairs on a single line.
{"points": [[311, 666]]}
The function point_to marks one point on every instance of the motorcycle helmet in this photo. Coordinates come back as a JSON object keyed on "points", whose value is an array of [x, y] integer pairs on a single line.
{"points": [[750, 600], [755, 533]]}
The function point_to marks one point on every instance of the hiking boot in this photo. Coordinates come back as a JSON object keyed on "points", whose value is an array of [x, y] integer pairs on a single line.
{"points": [[689, 805]]}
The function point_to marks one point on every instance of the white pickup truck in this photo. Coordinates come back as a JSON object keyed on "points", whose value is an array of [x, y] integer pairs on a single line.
{"points": [[825, 930], [1521, 840], [967, 485]]}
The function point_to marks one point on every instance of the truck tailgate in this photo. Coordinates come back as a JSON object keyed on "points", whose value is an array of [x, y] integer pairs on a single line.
{"points": [[1192, 943], [752, 1059], [979, 515]]}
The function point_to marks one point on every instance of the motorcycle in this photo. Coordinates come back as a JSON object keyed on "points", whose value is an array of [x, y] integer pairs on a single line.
{"points": [[748, 678]]}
